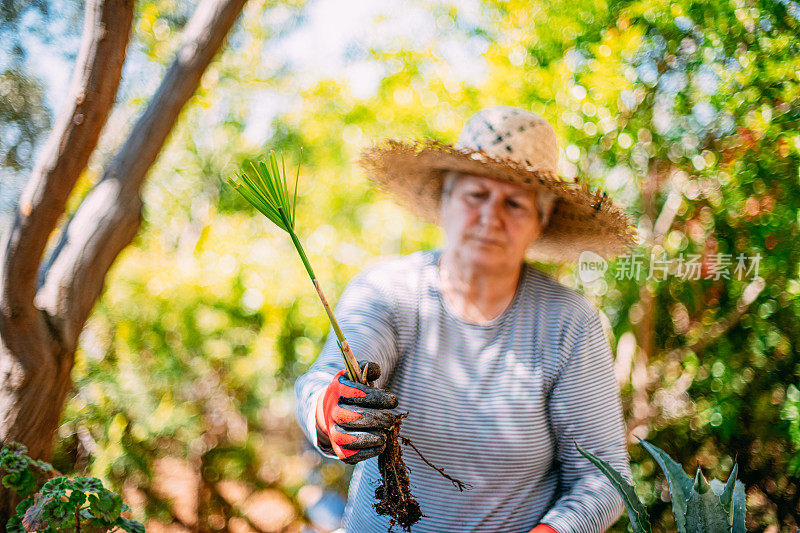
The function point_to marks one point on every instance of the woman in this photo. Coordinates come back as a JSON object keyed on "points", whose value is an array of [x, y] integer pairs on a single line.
{"points": [[501, 369]]}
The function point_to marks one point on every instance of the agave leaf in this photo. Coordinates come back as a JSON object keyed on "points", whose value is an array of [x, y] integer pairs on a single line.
{"points": [[701, 485], [704, 511], [680, 485], [726, 498], [637, 514], [736, 507], [733, 497], [719, 487], [739, 508]]}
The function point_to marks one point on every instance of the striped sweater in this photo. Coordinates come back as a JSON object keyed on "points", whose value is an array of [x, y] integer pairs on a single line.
{"points": [[499, 405]]}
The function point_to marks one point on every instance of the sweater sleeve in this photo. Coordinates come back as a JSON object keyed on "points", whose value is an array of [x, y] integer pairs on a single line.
{"points": [[365, 314], [585, 408]]}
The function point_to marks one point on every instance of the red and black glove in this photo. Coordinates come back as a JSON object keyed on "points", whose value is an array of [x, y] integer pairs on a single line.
{"points": [[355, 417], [543, 528]]}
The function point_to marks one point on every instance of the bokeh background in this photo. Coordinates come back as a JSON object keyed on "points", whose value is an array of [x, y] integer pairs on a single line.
{"points": [[687, 113]]}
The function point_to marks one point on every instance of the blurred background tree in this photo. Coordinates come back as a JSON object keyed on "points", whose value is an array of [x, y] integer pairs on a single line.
{"points": [[45, 302], [688, 114]]}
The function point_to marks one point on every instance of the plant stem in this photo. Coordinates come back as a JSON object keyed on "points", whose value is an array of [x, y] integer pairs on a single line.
{"points": [[349, 359], [353, 370]]}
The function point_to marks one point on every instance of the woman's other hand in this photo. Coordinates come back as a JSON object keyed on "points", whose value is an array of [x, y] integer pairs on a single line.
{"points": [[352, 418]]}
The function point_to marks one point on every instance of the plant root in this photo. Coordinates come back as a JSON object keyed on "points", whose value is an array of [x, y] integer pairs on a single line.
{"points": [[460, 485], [394, 494]]}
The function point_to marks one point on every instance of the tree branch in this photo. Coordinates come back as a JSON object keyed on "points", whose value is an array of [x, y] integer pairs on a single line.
{"points": [[110, 215], [723, 326], [674, 393], [94, 86]]}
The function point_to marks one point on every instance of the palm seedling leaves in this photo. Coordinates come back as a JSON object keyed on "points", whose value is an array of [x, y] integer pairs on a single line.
{"points": [[268, 191]]}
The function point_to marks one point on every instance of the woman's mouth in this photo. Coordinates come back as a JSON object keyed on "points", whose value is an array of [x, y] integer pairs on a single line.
{"points": [[485, 241]]}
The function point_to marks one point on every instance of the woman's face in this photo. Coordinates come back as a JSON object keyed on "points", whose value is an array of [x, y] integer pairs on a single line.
{"points": [[488, 223]]}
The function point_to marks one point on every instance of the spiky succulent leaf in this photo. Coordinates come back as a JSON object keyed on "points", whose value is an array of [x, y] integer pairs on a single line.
{"points": [[680, 485], [637, 513], [719, 487], [726, 497], [739, 508], [704, 512], [701, 485], [732, 497]]}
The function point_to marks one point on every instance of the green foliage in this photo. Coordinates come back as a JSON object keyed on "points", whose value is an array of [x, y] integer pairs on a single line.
{"points": [[22, 111], [268, 191], [637, 513], [60, 503], [204, 324], [22, 474], [698, 507]]}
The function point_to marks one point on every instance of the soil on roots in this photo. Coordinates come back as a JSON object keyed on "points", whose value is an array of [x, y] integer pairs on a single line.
{"points": [[394, 494]]}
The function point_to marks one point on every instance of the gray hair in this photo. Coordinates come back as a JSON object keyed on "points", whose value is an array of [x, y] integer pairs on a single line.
{"points": [[545, 200]]}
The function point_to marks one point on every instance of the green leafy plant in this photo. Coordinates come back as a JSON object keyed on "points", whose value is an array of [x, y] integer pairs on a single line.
{"points": [[22, 474], [60, 503], [698, 506], [268, 191]]}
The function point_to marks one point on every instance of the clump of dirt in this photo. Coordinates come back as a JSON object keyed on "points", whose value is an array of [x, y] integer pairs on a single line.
{"points": [[394, 494]]}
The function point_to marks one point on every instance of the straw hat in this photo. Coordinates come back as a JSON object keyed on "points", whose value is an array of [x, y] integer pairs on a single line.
{"points": [[513, 145]]}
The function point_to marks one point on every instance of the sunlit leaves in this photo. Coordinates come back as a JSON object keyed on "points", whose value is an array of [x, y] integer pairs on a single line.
{"points": [[60, 503], [206, 320]]}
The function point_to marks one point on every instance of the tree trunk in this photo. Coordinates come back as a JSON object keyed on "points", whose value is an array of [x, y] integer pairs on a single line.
{"points": [[641, 410], [43, 308], [35, 362]]}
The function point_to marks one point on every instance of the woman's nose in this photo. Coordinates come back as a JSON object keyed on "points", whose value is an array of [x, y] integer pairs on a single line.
{"points": [[491, 212]]}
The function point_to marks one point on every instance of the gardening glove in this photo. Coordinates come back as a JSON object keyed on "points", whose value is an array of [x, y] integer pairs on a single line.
{"points": [[355, 417], [543, 528]]}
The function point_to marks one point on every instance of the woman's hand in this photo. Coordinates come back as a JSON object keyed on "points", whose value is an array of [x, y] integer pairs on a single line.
{"points": [[353, 418]]}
